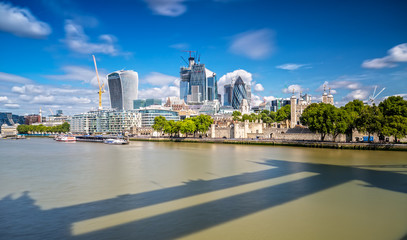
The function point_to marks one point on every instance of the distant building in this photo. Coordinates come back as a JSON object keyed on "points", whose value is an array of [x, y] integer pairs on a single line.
{"points": [[148, 115], [176, 104], [239, 93], [10, 119], [228, 93], [139, 103], [328, 98], [278, 103], [153, 101], [32, 118], [123, 88], [198, 84], [210, 107]]}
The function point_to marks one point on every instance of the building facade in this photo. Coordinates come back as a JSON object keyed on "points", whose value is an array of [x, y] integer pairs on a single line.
{"points": [[149, 114], [123, 88], [198, 84], [105, 121], [239, 93]]}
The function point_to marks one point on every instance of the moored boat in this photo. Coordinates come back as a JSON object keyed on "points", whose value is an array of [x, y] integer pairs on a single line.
{"points": [[65, 138], [118, 141]]}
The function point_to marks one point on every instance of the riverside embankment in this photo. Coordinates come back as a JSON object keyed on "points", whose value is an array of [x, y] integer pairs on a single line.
{"points": [[276, 142]]}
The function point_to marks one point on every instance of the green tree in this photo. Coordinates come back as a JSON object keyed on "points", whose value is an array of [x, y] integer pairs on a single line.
{"points": [[394, 122], [354, 109], [283, 113], [236, 115], [202, 123], [319, 117], [187, 126], [341, 121], [369, 120], [159, 123]]}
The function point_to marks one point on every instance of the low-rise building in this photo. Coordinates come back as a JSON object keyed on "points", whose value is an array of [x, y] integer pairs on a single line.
{"points": [[7, 130]]}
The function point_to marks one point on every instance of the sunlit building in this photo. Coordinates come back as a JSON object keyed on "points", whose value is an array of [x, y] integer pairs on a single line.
{"points": [[123, 88], [239, 93], [198, 84]]}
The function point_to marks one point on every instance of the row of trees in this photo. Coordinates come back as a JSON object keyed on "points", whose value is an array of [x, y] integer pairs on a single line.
{"points": [[193, 125], [265, 115], [25, 129], [387, 119]]}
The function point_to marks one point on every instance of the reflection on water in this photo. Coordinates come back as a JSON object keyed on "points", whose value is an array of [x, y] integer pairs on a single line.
{"points": [[199, 191]]}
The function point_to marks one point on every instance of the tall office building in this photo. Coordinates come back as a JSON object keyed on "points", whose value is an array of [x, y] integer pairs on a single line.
{"points": [[227, 97], [198, 84], [239, 93], [123, 88]]}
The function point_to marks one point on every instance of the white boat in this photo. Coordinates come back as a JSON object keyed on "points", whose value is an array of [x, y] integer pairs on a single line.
{"points": [[64, 138], [118, 141]]}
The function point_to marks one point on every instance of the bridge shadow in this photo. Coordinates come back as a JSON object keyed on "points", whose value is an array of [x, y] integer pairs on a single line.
{"points": [[20, 218]]}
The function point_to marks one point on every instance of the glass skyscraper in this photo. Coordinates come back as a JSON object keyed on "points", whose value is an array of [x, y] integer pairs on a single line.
{"points": [[123, 88], [239, 93], [227, 97], [198, 84]]}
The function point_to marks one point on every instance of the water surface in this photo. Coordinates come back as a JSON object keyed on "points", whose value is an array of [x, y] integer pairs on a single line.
{"points": [[147, 190]]}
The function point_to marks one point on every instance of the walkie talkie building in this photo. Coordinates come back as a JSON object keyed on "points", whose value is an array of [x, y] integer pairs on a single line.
{"points": [[123, 89]]}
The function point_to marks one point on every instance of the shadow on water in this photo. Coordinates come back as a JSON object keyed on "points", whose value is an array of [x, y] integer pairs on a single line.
{"points": [[21, 219]]}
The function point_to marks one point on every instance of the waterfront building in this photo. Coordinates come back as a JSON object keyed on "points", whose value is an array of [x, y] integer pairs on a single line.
{"points": [[239, 93], [148, 114], [105, 121], [123, 88], [198, 84], [7, 130]]}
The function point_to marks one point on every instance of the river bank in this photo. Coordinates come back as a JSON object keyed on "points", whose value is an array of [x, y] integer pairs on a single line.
{"points": [[291, 143]]}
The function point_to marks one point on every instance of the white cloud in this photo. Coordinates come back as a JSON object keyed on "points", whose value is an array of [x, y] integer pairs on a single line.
{"points": [[43, 99], [78, 41], [361, 94], [269, 98], [7, 77], [78, 73], [3, 99], [256, 100], [297, 88], [30, 88], [378, 63], [290, 66], [20, 22], [12, 105], [232, 76], [170, 8], [159, 79], [258, 87], [253, 44], [159, 92], [394, 55]]}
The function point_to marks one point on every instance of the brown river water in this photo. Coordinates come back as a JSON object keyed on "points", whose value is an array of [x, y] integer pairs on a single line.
{"points": [[149, 190]]}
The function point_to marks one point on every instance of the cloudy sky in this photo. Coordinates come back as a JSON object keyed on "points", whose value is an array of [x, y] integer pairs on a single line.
{"points": [[47, 46]]}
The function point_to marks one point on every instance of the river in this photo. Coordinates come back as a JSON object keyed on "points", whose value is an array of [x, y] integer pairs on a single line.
{"points": [[150, 190]]}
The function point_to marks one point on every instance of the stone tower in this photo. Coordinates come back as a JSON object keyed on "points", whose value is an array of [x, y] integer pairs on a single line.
{"points": [[293, 103]]}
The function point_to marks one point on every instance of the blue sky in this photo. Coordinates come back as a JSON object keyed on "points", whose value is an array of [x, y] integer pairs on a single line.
{"points": [[277, 46]]}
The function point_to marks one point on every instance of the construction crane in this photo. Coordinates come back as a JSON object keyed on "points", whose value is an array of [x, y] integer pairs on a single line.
{"points": [[52, 113], [374, 96], [101, 87]]}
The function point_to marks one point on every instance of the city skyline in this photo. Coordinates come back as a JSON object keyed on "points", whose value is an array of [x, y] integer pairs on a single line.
{"points": [[47, 46]]}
